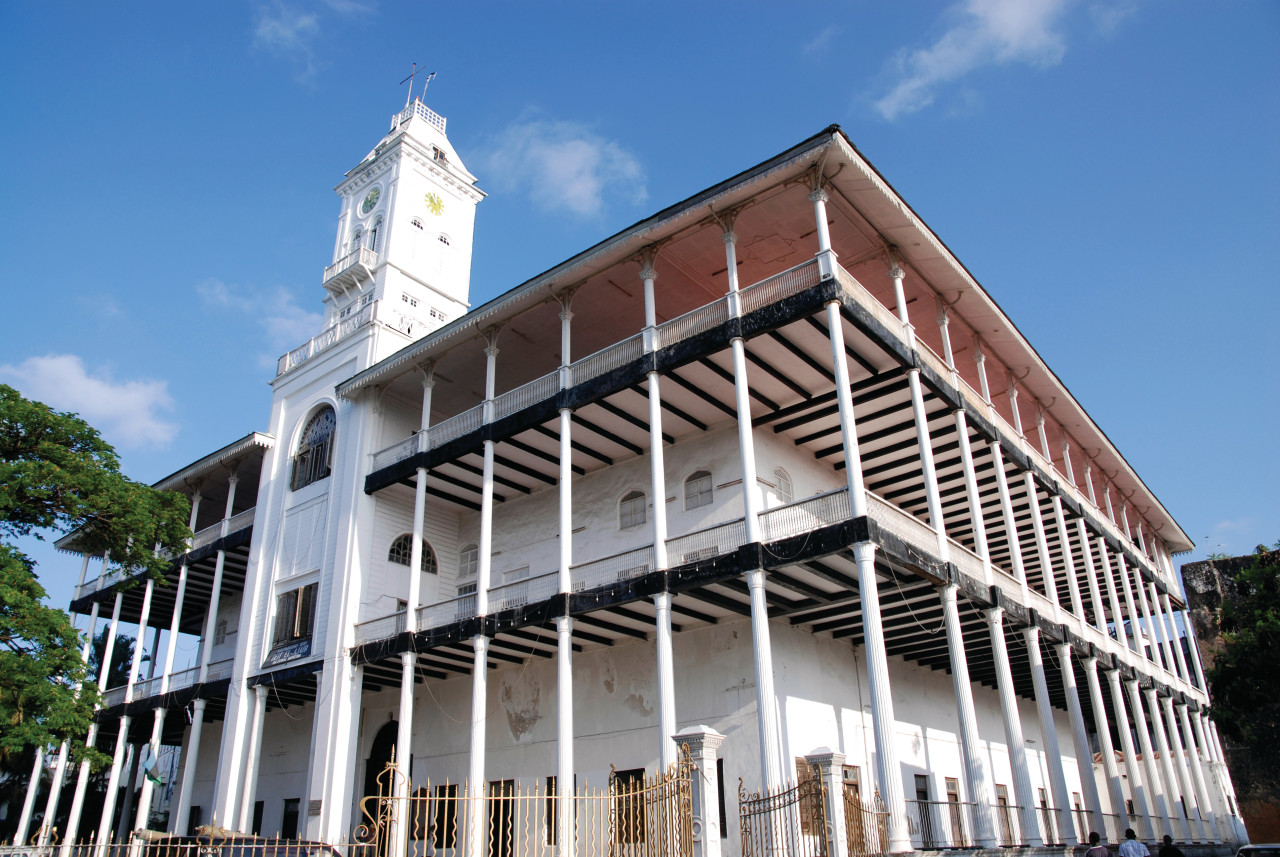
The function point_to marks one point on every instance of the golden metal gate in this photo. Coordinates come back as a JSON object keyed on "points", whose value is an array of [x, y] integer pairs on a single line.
{"points": [[636, 816], [791, 820]]}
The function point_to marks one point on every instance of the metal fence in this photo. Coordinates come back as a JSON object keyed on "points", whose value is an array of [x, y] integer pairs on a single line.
{"points": [[789, 820], [866, 824], [940, 824]]}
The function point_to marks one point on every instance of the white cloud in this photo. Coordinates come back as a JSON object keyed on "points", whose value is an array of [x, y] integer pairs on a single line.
{"points": [[821, 43], [127, 412], [284, 324], [564, 166], [982, 33], [291, 31]]}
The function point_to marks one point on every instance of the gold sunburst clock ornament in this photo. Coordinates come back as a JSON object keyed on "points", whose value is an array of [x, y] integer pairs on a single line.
{"points": [[435, 204]]}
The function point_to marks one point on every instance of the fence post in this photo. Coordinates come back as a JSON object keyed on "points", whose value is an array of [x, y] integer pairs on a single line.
{"points": [[831, 765], [702, 742]]}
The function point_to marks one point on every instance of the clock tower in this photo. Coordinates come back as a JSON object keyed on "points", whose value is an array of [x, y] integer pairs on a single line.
{"points": [[404, 234]]}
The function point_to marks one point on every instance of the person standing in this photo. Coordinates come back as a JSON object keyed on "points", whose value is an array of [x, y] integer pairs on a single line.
{"points": [[1131, 847], [1169, 849], [1096, 849]]}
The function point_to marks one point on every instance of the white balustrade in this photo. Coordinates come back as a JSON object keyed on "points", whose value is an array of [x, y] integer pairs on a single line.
{"points": [[905, 526], [692, 323], [611, 569], [455, 427], [607, 359], [447, 612], [518, 593], [219, 670], [707, 543], [397, 452], [790, 282], [514, 401], [806, 515], [380, 628], [207, 536], [240, 521]]}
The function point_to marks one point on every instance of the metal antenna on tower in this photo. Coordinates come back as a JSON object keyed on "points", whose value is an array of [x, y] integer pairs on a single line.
{"points": [[409, 80]]}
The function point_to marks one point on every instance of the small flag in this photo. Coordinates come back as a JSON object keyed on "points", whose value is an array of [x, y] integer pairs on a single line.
{"points": [[151, 770]]}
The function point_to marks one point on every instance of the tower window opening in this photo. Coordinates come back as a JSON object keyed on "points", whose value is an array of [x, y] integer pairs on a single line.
{"points": [[468, 565], [375, 236], [410, 301], [444, 239], [438, 155], [786, 491], [416, 223], [315, 449], [357, 240], [697, 490]]}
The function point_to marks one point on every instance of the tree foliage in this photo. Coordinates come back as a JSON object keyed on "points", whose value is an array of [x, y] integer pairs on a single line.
{"points": [[1246, 693], [57, 474]]}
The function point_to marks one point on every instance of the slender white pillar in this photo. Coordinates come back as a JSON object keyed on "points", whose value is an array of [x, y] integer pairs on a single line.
{"points": [[1157, 616], [657, 474], [1183, 767], [1068, 558], [415, 551], [404, 752], [848, 423], [1158, 652], [113, 787], [1175, 642], [1135, 627], [479, 722], [1091, 577], [1151, 766], [1137, 783], [888, 772], [28, 802], [896, 274], [944, 330], [1168, 774], [1233, 804], [1013, 406], [1106, 496], [932, 496], [1117, 616], [1006, 508], [253, 761], [1204, 799], [1049, 735], [564, 735], [1013, 731], [1194, 648], [666, 681], [1226, 825], [1042, 543], [190, 765], [1080, 738], [1114, 790], [82, 782], [973, 495], [975, 764]]}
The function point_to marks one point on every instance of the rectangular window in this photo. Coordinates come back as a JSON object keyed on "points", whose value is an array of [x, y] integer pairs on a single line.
{"points": [[724, 815], [552, 823], [925, 812], [1006, 817], [289, 823], [193, 820], [258, 806], [447, 816], [295, 614], [628, 805], [853, 781], [954, 815]]}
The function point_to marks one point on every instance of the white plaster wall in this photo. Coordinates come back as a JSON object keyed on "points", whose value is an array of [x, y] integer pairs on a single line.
{"points": [[286, 755], [388, 582], [205, 773]]}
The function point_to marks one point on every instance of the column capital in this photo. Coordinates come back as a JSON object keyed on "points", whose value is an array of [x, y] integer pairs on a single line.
{"points": [[947, 592], [819, 195], [566, 314], [1090, 663], [729, 237], [491, 350], [1032, 633], [995, 616], [944, 311], [824, 757], [646, 273], [895, 271]]}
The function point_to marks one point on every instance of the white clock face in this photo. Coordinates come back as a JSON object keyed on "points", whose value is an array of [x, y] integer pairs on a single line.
{"points": [[435, 204], [370, 200]]}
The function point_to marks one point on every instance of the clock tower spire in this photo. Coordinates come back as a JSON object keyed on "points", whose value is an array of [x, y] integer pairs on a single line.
{"points": [[405, 227]]}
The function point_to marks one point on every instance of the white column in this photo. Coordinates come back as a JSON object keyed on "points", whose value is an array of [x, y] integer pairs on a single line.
{"points": [[1168, 774], [819, 198], [1194, 648], [1204, 799], [1226, 825], [1068, 558], [479, 720], [1183, 767], [1042, 543], [1158, 618], [28, 802], [944, 330], [1137, 783], [402, 786], [1049, 735], [564, 735], [190, 764], [415, 551], [1225, 772], [657, 468], [1159, 653], [888, 771], [848, 424], [973, 495], [1135, 627], [896, 274], [975, 764], [113, 786], [1013, 406], [1006, 508], [1150, 766], [766, 703], [666, 681], [1013, 731], [1091, 576], [1103, 728], [926, 464], [1175, 642], [1117, 616], [1080, 737], [254, 758]]}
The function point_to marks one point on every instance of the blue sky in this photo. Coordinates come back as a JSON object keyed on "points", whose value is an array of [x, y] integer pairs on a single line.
{"points": [[1108, 171]]}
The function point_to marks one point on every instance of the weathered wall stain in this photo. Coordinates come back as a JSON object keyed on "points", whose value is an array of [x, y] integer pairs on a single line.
{"points": [[520, 698]]}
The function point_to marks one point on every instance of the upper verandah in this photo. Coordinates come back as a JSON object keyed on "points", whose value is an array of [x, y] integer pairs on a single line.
{"points": [[769, 211]]}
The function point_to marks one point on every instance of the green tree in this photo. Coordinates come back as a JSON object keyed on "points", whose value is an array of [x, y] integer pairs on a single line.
{"points": [[57, 475], [1246, 695]]}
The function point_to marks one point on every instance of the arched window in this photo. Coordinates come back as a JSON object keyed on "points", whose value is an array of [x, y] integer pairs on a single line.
{"points": [[357, 241], [444, 239], [402, 551], [631, 510], [375, 236], [417, 223], [697, 490], [785, 491], [315, 449]]}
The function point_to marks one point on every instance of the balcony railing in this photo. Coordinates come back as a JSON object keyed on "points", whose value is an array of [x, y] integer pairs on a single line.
{"points": [[360, 258], [805, 515], [611, 569], [327, 339], [707, 543], [240, 521], [518, 593], [206, 536]]}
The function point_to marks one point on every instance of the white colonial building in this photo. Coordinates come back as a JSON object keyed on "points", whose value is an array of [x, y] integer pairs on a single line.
{"points": [[769, 463]]}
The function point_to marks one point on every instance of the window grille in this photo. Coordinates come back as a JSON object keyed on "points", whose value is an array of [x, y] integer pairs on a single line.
{"points": [[416, 223], [444, 239], [468, 560], [697, 490], [786, 493], [315, 449], [631, 510], [402, 552]]}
